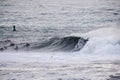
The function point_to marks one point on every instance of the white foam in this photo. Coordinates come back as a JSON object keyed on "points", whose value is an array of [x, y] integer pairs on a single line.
{"points": [[102, 41], [103, 44], [102, 32]]}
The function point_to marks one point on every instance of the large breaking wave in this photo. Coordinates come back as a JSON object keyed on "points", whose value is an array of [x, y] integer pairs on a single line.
{"points": [[104, 40], [69, 43]]}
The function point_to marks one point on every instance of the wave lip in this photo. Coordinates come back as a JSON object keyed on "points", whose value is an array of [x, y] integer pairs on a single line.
{"points": [[69, 43]]}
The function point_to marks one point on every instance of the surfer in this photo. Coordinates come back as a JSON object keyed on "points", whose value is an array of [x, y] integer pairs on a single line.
{"points": [[14, 29], [12, 44], [1, 49], [27, 45]]}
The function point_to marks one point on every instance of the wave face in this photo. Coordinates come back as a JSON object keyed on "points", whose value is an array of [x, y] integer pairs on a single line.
{"points": [[104, 40], [69, 43]]}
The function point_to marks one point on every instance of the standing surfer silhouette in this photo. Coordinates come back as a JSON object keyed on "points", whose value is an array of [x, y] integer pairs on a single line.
{"points": [[14, 29]]}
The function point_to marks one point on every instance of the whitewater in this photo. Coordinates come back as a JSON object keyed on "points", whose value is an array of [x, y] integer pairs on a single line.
{"points": [[60, 40], [101, 54]]}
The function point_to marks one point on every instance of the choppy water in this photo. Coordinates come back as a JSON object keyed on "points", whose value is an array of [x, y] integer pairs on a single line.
{"points": [[60, 25], [39, 20]]}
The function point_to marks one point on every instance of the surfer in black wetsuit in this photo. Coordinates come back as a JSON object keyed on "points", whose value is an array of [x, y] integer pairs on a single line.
{"points": [[14, 29], [1, 49], [27, 45]]}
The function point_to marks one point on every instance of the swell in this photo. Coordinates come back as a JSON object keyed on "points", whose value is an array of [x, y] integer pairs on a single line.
{"points": [[69, 43]]}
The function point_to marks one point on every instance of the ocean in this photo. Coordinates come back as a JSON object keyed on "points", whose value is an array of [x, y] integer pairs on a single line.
{"points": [[38, 20], [60, 39]]}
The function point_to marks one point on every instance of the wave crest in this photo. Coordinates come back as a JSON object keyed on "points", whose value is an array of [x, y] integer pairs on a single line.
{"points": [[69, 43]]}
